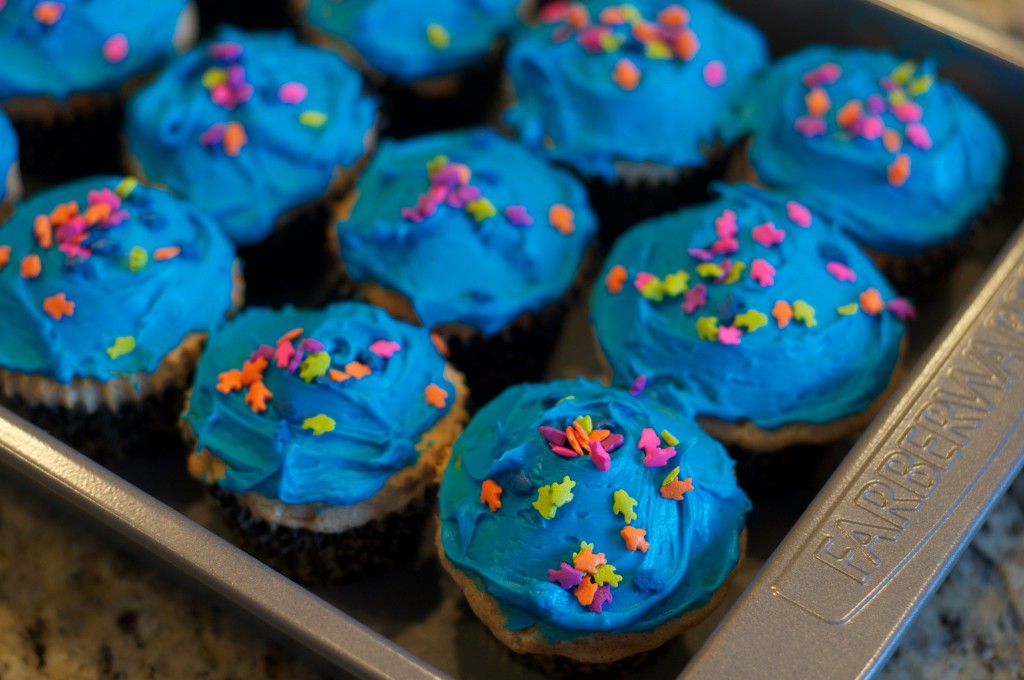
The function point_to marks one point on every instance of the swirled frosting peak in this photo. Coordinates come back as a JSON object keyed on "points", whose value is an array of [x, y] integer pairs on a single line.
{"points": [[316, 406], [906, 159], [602, 82], [250, 126], [469, 226], [412, 40], [54, 49], [581, 509], [103, 277], [749, 307]]}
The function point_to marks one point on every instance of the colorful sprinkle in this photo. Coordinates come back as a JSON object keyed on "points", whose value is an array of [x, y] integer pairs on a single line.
{"points": [[707, 328], [804, 313], [490, 493], [126, 186], [751, 320], [841, 272], [517, 216], [58, 306], [234, 138], [817, 102], [257, 397], [605, 574], [675, 489], [585, 592], [566, 576], [31, 266], [762, 272], [729, 335], [626, 75], [553, 496], [902, 309], [436, 396], [667, 437], [481, 209], [359, 370], [122, 345], [292, 93], [562, 218], [438, 36], [695, 299], [138, 258], [871, 302], [166, 253], [848, 310], [768, 234], [638, 385], [313, 119], [798, 214], [622, 504], [586, 560], [5, 256], [319, 424], [899, 171], [782, 312], [385, 349], [314, 366], [714, 73], [601, 597], [115, 48], [634, 539], [615, 279], [48, 13]]}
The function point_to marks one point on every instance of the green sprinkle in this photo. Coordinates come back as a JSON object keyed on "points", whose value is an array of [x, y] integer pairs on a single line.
{"points": [[122, 345], [137, 259], [319, 424]]}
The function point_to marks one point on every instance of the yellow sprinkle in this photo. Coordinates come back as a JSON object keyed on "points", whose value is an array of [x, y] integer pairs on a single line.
{"points": [[214, 77], [437, 36], [678, 283], [481, 209], [126, 187], [805, 313], [137, 259], [606, 574], [122, 345], [312, 118], [707, 328], [897, 97], [735, 272], [920, 85], [656, 49], [436, 163], [751, 320], [630, 12], [667, 437], [610, 42], [847, 310], [653, 290], [319, 424], [586, 423], [672, 476], [904, 71], [709, 270]]}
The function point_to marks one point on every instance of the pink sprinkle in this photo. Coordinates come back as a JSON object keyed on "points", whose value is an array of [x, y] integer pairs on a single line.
{"points": [[841, 271], [695, 298], [412, 214], [657, 456], [613, 441], [601, 459], [635, 389], [602, 596], [870, 127], [725, 224], [902, 309], [701, 254], [563, 452], [725, 246], [590, 39], [726, 266], [762, 272], [560, 35], [907, 112], [826, 74], [284, 354], [809, 126], [517, 216], [649, 440], [876, 104], [213, 135], [104, 196], [292, 93], [115, 49], [918, 136], [556, 11], [714, 73], [887, 84], [641, 280], [225, 50], [768, 235], [553, 435], [262, 352], [799, 214], [729, 335], [311, 346], [385, 349]]}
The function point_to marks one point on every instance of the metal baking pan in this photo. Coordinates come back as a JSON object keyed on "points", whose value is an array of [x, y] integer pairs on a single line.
{"points": [[829, 586]]}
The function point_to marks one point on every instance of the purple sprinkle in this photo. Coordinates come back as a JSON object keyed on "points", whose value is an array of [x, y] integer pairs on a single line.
{"points": [[412, 214], [213, 135], [296, 360], [638, 385], [236, 75], [876, 104], [612, 442], [517, 216], [602, 597], [567, 576], [264, 352], [553, 435], [809, 126], [312, 346], [701, 254], [225, 50]]}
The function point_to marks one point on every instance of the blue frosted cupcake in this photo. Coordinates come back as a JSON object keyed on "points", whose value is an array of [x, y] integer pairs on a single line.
{"points": [[436, 63], [631, 96], [474, 237], [756, 314], [10, 177], [108, 289], [906, 160], [585, 523], [323, 433]]}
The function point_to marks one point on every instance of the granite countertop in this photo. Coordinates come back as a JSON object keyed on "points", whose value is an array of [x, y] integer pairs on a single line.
{"points": [[72, 605]]}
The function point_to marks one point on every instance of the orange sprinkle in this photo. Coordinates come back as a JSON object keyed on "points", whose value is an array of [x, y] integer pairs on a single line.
{"points": [[577, 15], [850, 112], [899, 171], [166, 253], [687, 44], [586, 560], [31, 266], [435, 396], [617, 276], [58, 306], [562, 218], [644, 32], [440, 344], [63, 212], [257, 397], [43, 231], [582, 436], [574, 440], [357, 369], [783, 313], [252, 370], [585, 591], [675, 489], [338, 376], [490, 493], [234, 138], [674, 16], [97, 213], [599, 435], [229, 381], [871, 302], [5, 256], [290, 335], [892, 140], [626, 75], [612, 16], [48, 13], [634, 538], [818, 102]]}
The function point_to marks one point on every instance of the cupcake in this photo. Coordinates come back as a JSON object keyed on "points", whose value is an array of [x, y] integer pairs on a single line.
{"points": [[631, 97], [64, 66], [471, 235], [587, 524], [322, 433], [755, 313], [260, 132], [436, 63], [107, 290], [905, 159], [10, 177]]}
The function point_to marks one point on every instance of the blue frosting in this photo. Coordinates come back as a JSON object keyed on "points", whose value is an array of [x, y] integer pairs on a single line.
{"points": [[292, 149], [72, 54], [776, 375], [956, 164], [569, 106], [157, 305], [8, 152], [693, 543], [379, 418], [451, 267], [392, 35]]}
